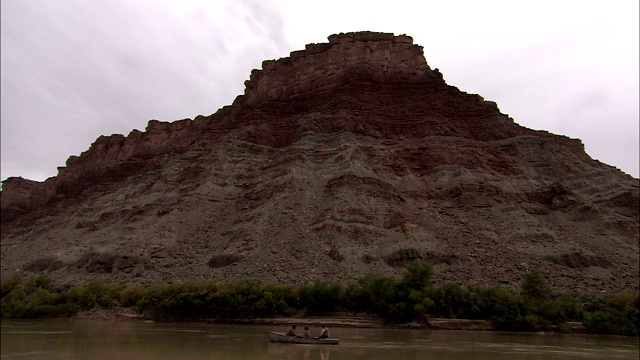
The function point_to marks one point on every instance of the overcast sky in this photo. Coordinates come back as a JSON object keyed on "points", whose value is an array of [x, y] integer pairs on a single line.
{"points": [[72, 70]]}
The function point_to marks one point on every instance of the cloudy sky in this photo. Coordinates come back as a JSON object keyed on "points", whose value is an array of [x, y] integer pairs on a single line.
{"points": [[72, 70]]}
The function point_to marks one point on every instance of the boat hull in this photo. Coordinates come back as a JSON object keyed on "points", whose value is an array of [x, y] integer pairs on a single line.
{"points": [[283, 338]]}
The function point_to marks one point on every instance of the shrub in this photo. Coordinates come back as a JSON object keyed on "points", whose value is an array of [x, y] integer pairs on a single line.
{"points": [[569, 309], [13, 290], [417, 277], [131, 295], [94, 295], [32, 299], [180, 301], [219, 300], [620, 316], [452, 301], [42, 281], [377, 293], [413, 298], [498, 305], [321, 298], [535, 286]]}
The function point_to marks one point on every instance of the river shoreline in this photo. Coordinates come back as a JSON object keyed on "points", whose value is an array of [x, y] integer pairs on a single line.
{"points": [[338, 321]]}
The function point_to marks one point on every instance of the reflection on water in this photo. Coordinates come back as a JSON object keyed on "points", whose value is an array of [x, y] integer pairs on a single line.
{"points": [[306, 352], [69, 339]]}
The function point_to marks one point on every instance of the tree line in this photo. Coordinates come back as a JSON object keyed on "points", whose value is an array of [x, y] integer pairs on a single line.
{"points": [[412, 298]]}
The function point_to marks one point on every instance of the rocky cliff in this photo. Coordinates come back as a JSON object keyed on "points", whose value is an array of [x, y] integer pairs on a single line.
{"points": [[343, 159]]}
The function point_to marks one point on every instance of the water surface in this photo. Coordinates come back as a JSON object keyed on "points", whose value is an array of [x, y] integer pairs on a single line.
{"points": [[82, 339]]}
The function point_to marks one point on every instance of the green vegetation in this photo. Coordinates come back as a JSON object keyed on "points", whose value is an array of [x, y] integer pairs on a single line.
{"points": [[209, 299], [617, 314], [33, 298], [412, 298]]}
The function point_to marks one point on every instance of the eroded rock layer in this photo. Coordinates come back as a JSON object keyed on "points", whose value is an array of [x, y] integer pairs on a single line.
{"points": [[343, 159]]}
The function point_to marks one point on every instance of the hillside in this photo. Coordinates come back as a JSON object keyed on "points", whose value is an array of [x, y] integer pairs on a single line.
{"points": [[343, 159]]}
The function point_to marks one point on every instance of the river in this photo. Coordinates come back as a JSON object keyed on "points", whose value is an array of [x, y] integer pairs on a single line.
{"points": [[123, 340]]}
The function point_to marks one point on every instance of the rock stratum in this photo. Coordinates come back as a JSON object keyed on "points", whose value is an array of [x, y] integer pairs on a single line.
{"points": [[347, 158]]}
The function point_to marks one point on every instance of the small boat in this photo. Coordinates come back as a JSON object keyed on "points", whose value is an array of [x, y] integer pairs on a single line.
{"points": [[283, 338]]}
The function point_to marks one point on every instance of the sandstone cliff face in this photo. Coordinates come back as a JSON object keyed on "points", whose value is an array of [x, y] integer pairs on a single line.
{"points": [[381, 58], [343, 159]]}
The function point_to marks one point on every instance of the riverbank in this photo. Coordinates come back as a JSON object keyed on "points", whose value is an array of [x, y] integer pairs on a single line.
{"points": [[354, 321], [337, 321], [377, 301]]}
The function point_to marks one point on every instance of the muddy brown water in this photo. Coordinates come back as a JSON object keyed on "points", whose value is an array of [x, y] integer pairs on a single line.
{"points": [[91, 339]]}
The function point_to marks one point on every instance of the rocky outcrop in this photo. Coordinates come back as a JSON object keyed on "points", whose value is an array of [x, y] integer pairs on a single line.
{"points": [[367, 56], [109, 160], [343, 159]]}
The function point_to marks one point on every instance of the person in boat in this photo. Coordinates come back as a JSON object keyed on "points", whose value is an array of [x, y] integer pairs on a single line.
{"points": [[307, 334], [324, 333], [292, 331]]}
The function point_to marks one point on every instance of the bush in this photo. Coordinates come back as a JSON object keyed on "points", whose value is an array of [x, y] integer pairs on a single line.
{"points": [[203, 300], [94, 295], [620, 316], [255, 299], [131, 295], [321, 298], [417, 277], [569, 309], [32, 299], [181, 301], [42, 281], [9, 284], [376, 294], [535, 286], [413, 298], [451, 301], [498, 305]]}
